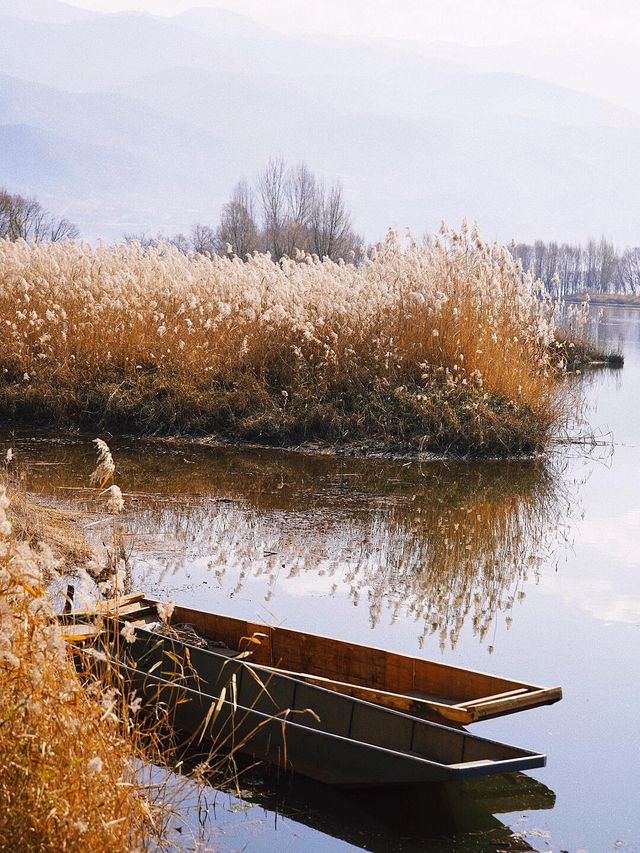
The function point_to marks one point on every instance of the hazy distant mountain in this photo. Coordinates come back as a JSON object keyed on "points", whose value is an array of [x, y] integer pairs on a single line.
{"points": [[500, 93], [112, 119], [46, 11], [102, 51], [605, 68], [137, 122], [42, 161], [220, 23]]}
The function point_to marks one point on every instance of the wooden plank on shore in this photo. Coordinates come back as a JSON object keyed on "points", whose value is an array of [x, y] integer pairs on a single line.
{"points": [[108, 606]]}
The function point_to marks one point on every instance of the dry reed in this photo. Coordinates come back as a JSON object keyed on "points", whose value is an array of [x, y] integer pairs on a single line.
{"points": [[85, 761], [37, 523], [443, 346], [68, 778]]}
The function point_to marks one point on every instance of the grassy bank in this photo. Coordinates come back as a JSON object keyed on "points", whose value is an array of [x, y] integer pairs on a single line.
{"points": [[578, 352], [621, 299], [84, 762], [441, 347]]}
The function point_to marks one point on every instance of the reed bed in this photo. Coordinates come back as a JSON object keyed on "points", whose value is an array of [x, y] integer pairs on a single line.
{"points": [[445, 346]]}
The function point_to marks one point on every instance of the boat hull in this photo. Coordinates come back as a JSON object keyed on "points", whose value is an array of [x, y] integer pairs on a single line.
{"points": [[296, 726]]}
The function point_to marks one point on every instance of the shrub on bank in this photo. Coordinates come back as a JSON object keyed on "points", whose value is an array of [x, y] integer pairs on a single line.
{"points": [[440, 346]]}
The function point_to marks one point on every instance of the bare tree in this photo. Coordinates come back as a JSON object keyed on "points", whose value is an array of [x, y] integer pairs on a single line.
{"points": [[237, 227], [181, 242], [152, 241], [629, 271], [524, 252], [203, 239], [62, 229], [272, 192], [147, 241], [571, 272], [332, 234], [608, 266], [596, 267], [591, 266], [300, 197], [296, 212], [26, 219], [300, 190]]}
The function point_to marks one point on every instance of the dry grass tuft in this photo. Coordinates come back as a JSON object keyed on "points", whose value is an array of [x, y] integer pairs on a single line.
{"points": [[577, 351], [68, 777], [440, 346], [85, 762], [39, 524]]}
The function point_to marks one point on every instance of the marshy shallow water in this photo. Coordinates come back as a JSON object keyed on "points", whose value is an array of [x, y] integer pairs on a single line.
{"points": [[526, 569]]}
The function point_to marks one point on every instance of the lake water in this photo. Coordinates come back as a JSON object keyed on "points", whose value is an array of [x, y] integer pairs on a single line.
{"points": [[525, 569]]}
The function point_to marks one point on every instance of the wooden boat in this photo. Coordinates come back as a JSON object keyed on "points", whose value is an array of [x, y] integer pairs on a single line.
{"points": [[425, 688], [327, 736]]}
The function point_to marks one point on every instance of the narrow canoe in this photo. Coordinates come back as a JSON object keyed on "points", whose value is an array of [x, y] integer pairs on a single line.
{"points": [[425, 688], [342, 741]]}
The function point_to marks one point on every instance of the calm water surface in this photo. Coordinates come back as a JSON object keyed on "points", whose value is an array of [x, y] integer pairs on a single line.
{"points": [[528, 569]]}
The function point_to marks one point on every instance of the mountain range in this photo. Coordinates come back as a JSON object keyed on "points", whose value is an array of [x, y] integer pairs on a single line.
{"points": [[133, 122]]}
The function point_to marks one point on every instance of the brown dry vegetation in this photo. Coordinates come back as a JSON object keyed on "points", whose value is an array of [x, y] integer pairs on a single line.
{"points": [[577, 351], [40, 524], [68, 778], [444, 346], [84, 762]]}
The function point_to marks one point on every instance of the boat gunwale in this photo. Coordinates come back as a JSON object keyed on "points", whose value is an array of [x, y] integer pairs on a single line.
{"points": [[471, 713], [430, 704]]}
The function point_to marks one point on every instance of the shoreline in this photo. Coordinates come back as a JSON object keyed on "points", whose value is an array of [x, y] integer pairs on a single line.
{"points": [[513, 437], [316, 448], [448, 422], [605, 300]]}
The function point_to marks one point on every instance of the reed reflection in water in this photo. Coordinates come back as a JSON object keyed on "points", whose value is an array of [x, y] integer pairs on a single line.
{"points": [[440, 543]]}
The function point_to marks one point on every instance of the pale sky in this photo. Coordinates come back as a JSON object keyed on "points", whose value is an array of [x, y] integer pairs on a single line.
{"points": [[465, 21]]}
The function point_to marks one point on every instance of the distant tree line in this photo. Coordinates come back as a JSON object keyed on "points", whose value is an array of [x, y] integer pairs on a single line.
{"points": [[287, 209], [26, 219], [596, 266]]}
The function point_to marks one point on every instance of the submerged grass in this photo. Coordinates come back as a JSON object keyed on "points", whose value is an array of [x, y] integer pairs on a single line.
{"points": [[39, 524], [443, 346]]}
